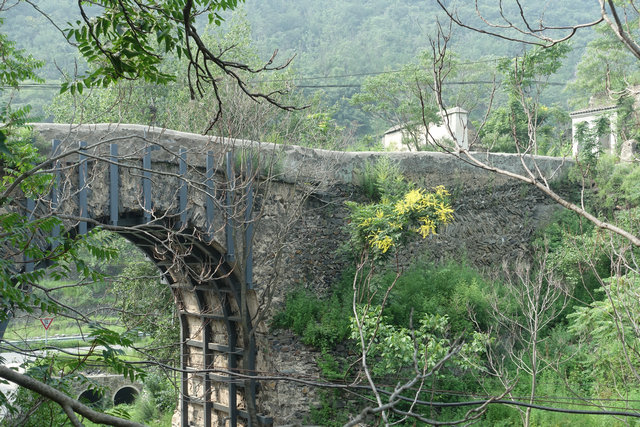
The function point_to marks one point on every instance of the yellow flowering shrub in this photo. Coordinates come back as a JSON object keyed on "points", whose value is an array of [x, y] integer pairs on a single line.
{"points": [[378, 227]]}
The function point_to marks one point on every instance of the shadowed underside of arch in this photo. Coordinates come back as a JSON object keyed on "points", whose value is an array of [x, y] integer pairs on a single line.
{"points": [[214, 314], [125, 395]]}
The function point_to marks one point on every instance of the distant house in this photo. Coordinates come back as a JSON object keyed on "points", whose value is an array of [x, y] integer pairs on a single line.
{"points": [[590, 116], [454, 126]]}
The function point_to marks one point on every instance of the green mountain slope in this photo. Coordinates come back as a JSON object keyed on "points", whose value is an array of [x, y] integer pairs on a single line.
{"points": [[335, 43]]}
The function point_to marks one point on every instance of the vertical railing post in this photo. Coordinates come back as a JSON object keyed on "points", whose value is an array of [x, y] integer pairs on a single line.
{"points": [[146, 184], [182, 192], [210, 195], [114, 187], [230, 256], [82, 185], [248, 229]]}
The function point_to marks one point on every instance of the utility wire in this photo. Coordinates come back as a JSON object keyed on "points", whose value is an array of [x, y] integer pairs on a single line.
{"points": [[478, 399], [313, 381], [48, 86], [575, 401], [310, 78]]}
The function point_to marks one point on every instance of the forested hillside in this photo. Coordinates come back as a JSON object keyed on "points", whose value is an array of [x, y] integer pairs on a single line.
{"points": [[341, 40], [335, 44]]}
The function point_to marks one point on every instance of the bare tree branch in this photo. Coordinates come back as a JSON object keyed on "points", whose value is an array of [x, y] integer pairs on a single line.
{"points": [[534, 36]]}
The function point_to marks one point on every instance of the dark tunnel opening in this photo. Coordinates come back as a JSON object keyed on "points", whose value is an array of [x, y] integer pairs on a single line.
{"points": [[90, 397], [126, 395]]}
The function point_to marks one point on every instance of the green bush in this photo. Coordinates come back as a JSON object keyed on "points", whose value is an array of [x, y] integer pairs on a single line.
{"points": [[29, 409], [332, 410], [144, 409], [301, 309], [568, 239], [163, 393], [451, 289], [383, 178], [320, 323], [617, 185], [331, 326], [563, 222]]}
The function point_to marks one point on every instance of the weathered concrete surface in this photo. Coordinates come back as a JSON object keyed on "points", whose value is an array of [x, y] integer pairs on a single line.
{"points": [[300, 219]]}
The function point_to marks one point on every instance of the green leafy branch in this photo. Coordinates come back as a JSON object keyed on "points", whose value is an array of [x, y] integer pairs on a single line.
{"points": [[395, 346]]}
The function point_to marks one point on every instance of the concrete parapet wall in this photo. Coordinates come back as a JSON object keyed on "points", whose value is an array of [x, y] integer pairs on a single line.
{"points": [[295, 163]]}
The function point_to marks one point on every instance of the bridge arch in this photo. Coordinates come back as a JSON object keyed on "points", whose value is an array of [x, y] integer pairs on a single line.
{"points": [[90, 397], [209, 296], [208, 293], [177, 214], [125, 395]]}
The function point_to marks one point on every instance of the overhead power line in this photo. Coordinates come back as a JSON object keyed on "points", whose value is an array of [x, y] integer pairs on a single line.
{"points": [[48, 86], [455, 83]]}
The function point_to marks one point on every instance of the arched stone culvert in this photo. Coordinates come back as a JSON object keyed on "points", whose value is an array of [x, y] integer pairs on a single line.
{"points": [[125, 395], [90, 397]]}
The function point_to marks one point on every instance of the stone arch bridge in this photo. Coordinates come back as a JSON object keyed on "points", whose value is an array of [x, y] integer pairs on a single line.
{"points": [[115, 389], [233, 225]]}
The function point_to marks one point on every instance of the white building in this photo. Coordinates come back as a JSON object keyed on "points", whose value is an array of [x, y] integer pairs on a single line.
{"points": [[454, 127], [590, 116]]}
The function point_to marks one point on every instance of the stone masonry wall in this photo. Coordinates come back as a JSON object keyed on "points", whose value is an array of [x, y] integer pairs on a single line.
{"points": [[495, 220]]}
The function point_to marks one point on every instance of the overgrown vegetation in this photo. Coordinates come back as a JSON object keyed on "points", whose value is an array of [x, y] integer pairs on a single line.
{"points": [[126, 296], [153, 407], [577, 350]]}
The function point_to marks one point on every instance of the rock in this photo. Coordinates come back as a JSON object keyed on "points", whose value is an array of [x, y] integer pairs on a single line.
{"points": [[629, 151]]}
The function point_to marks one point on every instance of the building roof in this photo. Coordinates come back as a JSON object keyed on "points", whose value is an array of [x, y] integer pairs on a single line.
{"points": [[594, 110], [454, 110], [394, 129]]}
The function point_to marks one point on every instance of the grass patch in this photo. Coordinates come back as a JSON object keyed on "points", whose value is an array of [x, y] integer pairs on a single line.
{"points": [[453, 289], [29, 327], [450, 289], [93, 299]]}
